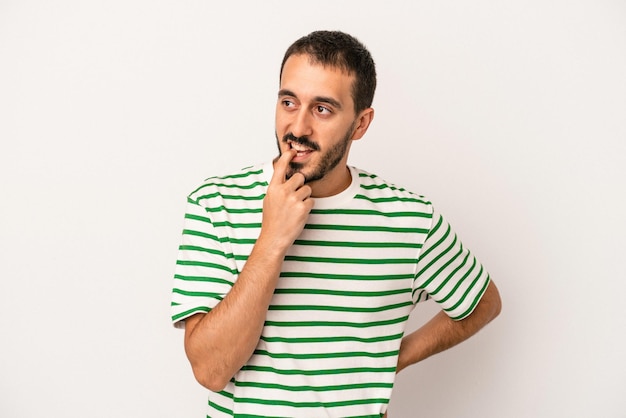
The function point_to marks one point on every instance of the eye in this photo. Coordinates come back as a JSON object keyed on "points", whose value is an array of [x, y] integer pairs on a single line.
{"points": [[288, 103], [323, 110]]}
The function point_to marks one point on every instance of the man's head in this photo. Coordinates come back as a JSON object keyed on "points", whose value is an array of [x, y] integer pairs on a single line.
{"points": [[342, 51], [326, 87]]}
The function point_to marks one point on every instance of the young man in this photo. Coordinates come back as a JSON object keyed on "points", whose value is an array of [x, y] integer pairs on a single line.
{"points": [[295, 279]]}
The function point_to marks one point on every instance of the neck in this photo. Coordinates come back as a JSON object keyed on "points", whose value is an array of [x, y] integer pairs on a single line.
{"points": [[331, 184]]}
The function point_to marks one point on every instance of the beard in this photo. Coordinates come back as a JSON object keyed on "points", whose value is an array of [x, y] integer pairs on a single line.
{"points": [[329, 159]]}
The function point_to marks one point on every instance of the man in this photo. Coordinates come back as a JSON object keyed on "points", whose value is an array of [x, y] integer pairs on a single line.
{"points": [[295, 279]]}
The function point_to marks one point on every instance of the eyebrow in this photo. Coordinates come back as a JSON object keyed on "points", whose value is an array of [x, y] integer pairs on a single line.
{"points": [[321, 99]]}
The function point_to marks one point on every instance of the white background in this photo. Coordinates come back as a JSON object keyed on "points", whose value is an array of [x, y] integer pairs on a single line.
{"points": [[510, 116]]}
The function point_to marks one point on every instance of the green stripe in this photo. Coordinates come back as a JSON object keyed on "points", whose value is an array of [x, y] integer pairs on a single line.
{"points": [[434, 229], [318, 372], [221, 408], [350, 293], [459, 281], [366, 228], [227, 394], [346, 338], [219, 239], [265, 416], [367, 416], [471, 307], [393, 199], [230, 196], [381, 186], [238, 225], [253, 416], [215, 252], [329, 388], [212, 295], [187, 313], [237, 186], [205, 250], [245, 241], [311, 275], [299, 404], [443, 238], [335, 323], [246, 173], [469, 289], [353, 244], [368, 212], [210, 181], [439, 256], [204, 264], [203, 235], [337, 308], [202, 279], [197, 218], [422, 293], [231, 210], [336, 260], [312, 356]]}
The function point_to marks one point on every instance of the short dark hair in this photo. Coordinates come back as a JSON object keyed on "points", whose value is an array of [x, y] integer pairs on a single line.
{"points": [[340, 50]]}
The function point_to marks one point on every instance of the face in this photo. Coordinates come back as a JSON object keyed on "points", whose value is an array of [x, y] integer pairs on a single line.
{"points": [[315, 115]]}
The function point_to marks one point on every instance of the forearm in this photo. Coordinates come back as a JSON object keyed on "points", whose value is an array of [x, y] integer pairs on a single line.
{"points": [[220, 342], [441, 332]]}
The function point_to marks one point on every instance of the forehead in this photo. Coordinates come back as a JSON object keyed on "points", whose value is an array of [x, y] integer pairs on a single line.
{"points": [[306, 77]]}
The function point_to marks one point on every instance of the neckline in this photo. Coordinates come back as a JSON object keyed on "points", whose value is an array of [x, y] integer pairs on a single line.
{"points": [[326, 202]]}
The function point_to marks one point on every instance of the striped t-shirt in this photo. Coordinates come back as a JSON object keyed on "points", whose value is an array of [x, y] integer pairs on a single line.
{"points": [[330, 343]]}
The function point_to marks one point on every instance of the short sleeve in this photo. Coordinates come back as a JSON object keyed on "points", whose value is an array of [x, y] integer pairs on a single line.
{"points": [[204, 272], [448, 272]]}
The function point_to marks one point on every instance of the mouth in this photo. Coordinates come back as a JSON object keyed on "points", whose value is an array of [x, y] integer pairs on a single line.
{"points": [[302, 150]]}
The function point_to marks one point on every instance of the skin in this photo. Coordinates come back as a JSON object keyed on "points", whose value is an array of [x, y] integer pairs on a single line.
{"points": [[314, 102]]}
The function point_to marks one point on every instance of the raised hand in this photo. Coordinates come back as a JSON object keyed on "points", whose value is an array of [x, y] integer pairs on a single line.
{"points": [[215, 352], [286, 206]]}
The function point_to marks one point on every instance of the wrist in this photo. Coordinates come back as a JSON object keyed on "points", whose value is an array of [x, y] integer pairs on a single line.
{"points": [[273, 245]]}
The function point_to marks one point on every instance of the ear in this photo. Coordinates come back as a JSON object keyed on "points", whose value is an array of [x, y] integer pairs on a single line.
{"points": [[362, 123]]}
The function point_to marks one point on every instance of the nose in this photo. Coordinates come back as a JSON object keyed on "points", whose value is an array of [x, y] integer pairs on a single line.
{"points": [[301, 124]]}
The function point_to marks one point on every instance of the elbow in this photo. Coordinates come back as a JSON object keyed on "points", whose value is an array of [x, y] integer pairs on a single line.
{"points": [[208, 367], [495, 302], [496, 309], [212, 380], [213, 384]]}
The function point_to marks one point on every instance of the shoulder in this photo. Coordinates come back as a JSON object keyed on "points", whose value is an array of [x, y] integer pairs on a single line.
{"points": [[247, 183], [377, 190]]}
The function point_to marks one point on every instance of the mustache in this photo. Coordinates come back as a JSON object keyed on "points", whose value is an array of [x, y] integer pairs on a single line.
{"points": [[302, 140]]}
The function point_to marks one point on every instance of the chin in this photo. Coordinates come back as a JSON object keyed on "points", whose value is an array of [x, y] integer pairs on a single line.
{"points": [[296, 168]]}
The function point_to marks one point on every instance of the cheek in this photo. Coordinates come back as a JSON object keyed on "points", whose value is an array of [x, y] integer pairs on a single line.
{"points": [[280, 123], [333, 132]]}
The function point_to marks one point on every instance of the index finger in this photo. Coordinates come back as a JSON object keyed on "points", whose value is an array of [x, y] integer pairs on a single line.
{"points": [[281, 164]]}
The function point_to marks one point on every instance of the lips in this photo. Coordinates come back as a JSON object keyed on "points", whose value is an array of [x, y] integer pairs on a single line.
{"points": [[300, 148]]}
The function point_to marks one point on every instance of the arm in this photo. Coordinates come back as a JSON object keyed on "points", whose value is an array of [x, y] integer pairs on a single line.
{"points": [[219, 342], [441, 332]]}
